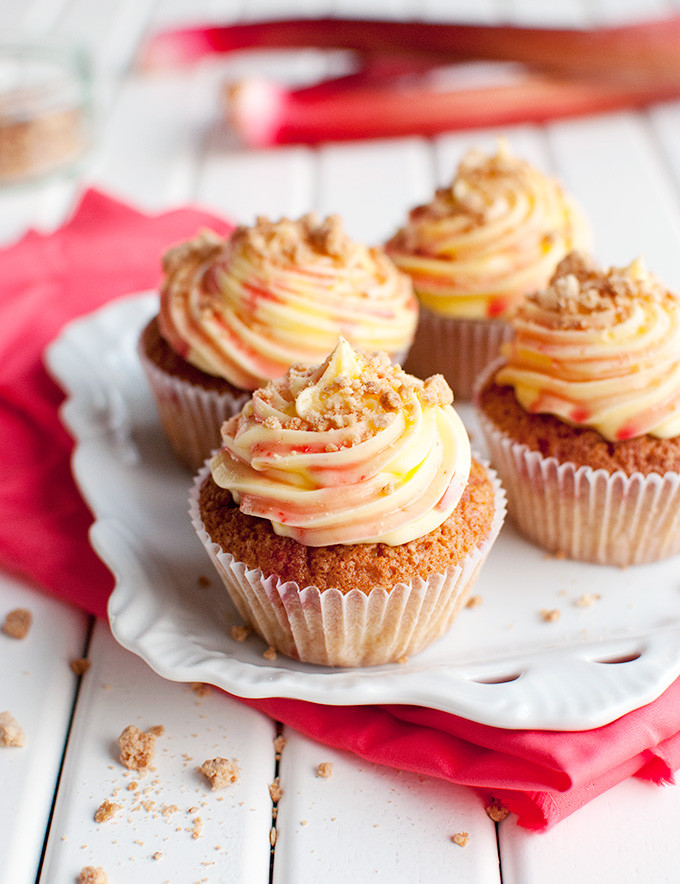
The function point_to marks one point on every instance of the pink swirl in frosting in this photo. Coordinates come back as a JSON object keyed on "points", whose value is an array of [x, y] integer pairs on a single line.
{"points": [[353, 451], [599, 349], [277, 293]]}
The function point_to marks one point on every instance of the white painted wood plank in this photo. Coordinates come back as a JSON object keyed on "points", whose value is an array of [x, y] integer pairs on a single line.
{"points": [[373, 184], [627, 835], [37, 687], [367, 822], [610, 164], [233, 844]]}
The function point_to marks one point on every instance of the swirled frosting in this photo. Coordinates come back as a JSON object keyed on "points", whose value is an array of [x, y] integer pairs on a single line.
{"points": [[599, 349], [353, 451], [247, 307], [496, 233]]}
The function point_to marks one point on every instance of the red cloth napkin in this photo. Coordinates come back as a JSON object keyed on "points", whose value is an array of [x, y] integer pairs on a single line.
{"points": [[108, 249]]}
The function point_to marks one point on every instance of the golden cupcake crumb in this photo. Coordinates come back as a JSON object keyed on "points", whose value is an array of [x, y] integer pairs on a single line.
{"points": [[460, 838], [18, 623], [11, 732], [325, 769], [550, 615], [80, 665], [221, 772], [137, 748], [92, 875], [106, 811], [496, 811]]}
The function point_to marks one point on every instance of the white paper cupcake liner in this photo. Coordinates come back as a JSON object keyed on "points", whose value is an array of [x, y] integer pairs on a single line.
{"points": [[457, 348], [332, 628], [583, 513], [190, 416]]}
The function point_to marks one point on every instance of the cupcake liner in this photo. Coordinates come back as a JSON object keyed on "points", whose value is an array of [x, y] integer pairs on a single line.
{"points": [[190, 416], [332, 628], [586, 514], [457, 348]]}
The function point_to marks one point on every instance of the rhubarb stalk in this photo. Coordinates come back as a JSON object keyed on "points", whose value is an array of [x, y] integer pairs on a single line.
{"points": [[264, 113], [638, 51]]}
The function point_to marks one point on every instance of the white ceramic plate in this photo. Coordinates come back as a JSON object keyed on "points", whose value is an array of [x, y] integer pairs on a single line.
{"points": [[501, 663]]}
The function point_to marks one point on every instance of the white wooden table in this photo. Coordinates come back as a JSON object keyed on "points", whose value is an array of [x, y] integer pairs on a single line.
{"points": [[158, 147]]}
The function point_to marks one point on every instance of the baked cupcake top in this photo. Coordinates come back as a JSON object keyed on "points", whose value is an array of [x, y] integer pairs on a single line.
{"points": [[352, 451], [495, 233], [600, 349], [247, 307]]}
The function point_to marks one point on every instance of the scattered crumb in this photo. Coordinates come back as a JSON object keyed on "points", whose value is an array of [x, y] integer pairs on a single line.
{"points": [[157, 730], [272, 836], [156, 855], [11, 732], [221, 772], [199, 688], [270, 654], [136, 748], [92, 875], [558, 554], [275, 790], [550, 615], [474, 601], [325, 769], [18, 623], [279, 743], [496, 811], [460, 838], [203, 581], [197, 830], [403, 659], [304, 822], [80, 666], [239, 633], [106, 811], [168, 809], [132, 786], [587, 599]]}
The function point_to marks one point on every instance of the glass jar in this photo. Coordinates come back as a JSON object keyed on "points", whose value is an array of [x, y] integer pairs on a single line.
{"points": [[45, 108]]}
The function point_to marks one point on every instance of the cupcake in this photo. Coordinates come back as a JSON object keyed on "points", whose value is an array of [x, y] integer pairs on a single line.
{"points": [[345, 513], [236, 313], [497, 232], [582, 418]]}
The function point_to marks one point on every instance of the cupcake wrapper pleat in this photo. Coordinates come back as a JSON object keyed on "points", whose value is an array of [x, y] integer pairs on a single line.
{"points": [[190, 416], [354, 628], [457, 348], [586, 514]]}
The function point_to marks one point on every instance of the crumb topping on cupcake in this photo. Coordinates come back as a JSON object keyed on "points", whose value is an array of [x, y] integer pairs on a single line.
{"points": [[601, 349], [496, 232], [352, 451], [274, 293]]}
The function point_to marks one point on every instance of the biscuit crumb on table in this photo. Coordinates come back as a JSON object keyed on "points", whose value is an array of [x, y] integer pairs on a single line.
{"points": [[92, 875], [325, 769], [587, 599], [496, 811], [18, 623], [11, 732], [460, 838], [137, 748], [80, 665], [221, 772], [106, 811], [550, 615]]}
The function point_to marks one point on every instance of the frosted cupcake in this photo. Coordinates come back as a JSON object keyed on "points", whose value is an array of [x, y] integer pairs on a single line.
{"points": [[582, 420], [497, 232], [236, 313], [345, 513]]}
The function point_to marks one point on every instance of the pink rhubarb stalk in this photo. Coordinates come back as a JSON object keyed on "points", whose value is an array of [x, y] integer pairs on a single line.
{"points": [[266, 114], [638, 51]]}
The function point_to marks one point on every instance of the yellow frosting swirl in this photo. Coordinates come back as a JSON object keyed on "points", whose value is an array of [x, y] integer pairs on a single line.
{"points": [[599, 349], [496, 233], [353, 451], [247, 307]]}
